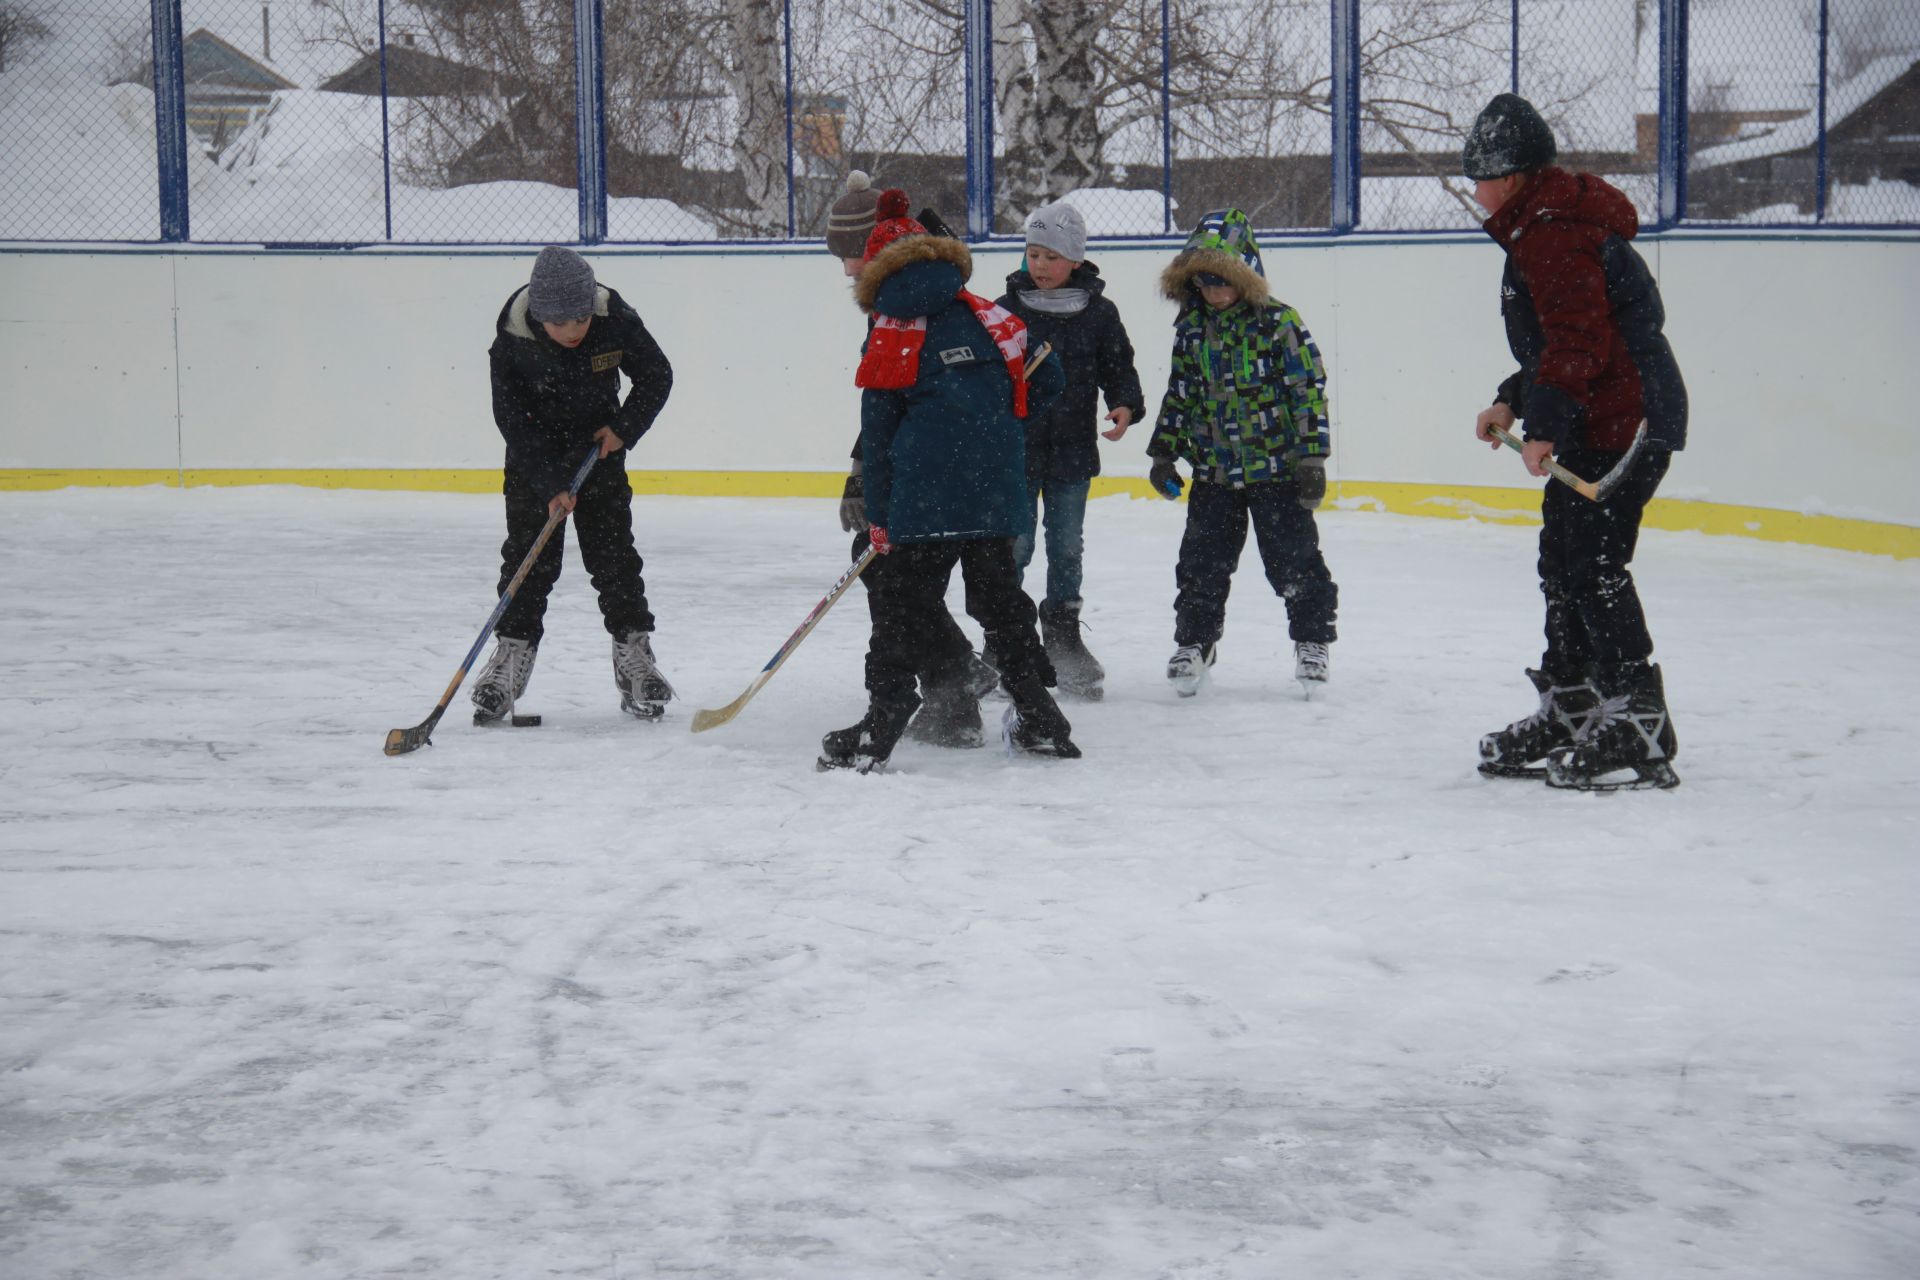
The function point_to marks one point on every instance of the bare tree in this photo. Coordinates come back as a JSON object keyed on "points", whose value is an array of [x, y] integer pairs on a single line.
{"points": [[19, 27]]}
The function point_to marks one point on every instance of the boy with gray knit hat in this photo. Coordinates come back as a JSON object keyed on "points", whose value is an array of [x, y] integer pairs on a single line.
{"points": [[560, 345], [1062, 298]]}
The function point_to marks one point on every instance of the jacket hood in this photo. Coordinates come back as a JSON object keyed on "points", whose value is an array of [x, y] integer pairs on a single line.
{"points": [[517, 322], [1222, 245], [1556, 195], [901, 254]]}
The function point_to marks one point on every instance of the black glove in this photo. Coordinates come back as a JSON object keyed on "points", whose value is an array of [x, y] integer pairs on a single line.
{"points": [[853, 502], [1311, 475], [1165, 480]]}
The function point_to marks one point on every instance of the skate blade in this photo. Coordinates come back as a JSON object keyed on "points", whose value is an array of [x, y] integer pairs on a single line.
{"points": [[1494, 769], [1654, 775], [827, 764], [648, 711]]}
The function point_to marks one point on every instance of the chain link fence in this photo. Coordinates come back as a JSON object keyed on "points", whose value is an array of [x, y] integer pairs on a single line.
{"points": [[662, 121]]}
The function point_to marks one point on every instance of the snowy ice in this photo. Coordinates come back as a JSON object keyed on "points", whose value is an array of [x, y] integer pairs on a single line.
{"points": [[1260, 988]]}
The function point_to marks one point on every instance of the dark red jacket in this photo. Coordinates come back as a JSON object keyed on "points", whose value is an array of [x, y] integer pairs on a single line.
{"points": [[1584, 319]]}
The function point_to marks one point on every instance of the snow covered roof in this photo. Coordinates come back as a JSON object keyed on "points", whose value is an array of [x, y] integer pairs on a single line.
{"points": [[1803, 131]]}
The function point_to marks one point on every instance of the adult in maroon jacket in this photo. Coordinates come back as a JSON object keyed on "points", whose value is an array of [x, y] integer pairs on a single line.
{"points": [[1584, 319]]}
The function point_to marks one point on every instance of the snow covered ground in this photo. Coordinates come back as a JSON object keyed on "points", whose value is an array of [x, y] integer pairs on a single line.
{"points": [[1260, 988]]}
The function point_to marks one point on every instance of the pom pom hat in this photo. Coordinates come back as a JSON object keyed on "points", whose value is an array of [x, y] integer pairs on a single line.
{"points": [[891, 222], [850, 220]]}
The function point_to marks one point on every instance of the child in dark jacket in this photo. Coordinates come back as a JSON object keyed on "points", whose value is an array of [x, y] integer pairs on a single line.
{"points": [[942, 441], [1062, 298], [560, 345], [1246, 407]]}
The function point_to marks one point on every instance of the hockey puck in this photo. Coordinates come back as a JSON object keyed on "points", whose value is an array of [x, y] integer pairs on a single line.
{"points": [[526, 722]]}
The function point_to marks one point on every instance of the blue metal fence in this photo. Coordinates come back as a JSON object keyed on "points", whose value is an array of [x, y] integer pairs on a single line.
{"points": [[654, 121]]}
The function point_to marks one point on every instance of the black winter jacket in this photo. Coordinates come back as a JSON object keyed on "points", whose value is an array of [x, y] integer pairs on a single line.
{"points": [[1092, 347], [548, 400]]}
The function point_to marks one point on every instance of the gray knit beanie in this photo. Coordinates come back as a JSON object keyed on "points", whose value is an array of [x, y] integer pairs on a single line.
{"points": [[850, 221], [1059, 227], [561, 288]]}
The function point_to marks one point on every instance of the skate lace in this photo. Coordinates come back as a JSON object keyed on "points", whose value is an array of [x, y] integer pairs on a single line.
{"points": [[511, 661], [1313, 655], [1609, 712], [633, 662]]}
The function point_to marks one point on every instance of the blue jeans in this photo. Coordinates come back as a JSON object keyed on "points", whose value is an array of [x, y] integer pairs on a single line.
{"points": [[1066, 521]]}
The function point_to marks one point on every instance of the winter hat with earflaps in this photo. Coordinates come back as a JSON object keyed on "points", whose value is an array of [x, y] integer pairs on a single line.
{"points": [[1509, 137], [851, 219], [561, 288]]}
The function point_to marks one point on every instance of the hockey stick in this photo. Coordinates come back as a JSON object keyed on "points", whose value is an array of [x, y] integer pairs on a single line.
{"points": [[401, 741], [704, 720], [1596, 490]]}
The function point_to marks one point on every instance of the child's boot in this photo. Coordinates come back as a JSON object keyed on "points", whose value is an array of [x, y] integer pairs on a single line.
{"points": [[950, 714], [1034, 722], [644, 692], [1189, 669], [504, 678], [866, 745], [1078, 671]]}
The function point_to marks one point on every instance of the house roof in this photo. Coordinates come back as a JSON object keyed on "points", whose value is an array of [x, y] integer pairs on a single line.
{"points": [[1803, 131], [209, 60]]}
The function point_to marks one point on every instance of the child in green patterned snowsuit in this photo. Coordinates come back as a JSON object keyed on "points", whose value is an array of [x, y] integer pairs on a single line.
{"points": [[1246, 408]]}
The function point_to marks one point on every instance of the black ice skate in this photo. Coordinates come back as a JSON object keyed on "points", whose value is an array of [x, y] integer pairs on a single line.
{"points": [[1078, 671], [950, 715], [644, 692], [504, 678], [1190, 668], [1520, 750], [1035, 725], [1627, 745], [1312, 664], [866, 746]]}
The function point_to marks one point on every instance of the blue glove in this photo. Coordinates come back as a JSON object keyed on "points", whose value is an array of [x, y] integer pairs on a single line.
{"points": [[1165, 479]]}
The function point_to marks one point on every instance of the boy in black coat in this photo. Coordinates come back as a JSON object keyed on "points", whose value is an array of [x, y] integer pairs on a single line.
{"points": [[1062, 298], [560, 345]]}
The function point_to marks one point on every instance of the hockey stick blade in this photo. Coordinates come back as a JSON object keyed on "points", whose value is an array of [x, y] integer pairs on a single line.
{"points": [[1607, 483], [704, 720], [401, 741]]}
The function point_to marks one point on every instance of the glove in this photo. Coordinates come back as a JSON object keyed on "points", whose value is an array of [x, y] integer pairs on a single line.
{"points": [[880, 544], [1165, 480], [853, 504], [1311, 475]]}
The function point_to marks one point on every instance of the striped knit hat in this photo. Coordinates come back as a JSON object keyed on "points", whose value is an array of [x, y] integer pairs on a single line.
{"points": [[850, 220]]}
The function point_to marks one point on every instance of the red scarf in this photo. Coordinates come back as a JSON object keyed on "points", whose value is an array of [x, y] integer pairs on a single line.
{"points": [[892, 362]]}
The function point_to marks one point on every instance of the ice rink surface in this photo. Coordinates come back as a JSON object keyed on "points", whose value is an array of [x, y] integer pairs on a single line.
{"points": [[1261, 989]]}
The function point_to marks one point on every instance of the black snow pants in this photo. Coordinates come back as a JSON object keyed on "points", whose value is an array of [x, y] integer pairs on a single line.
{"points": [[603, 519], [943, 648], [1595, 625], [1289, 541], [913, 587]]}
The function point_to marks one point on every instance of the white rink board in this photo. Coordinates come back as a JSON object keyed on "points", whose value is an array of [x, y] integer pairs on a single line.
{"points": [[1798, 355]]}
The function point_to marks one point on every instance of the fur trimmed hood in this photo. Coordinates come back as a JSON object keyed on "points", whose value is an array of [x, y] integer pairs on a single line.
{"points": [[1223, 245], [903, 253]]}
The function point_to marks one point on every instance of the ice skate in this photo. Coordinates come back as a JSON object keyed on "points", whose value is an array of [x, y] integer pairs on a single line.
{"points": [[1190, 668], [1311, 663], [1628, 744], [1520, 750], [1078, 671], [1035, 725], [866, 745], [644, 692], [503, 679], [950, 715]]}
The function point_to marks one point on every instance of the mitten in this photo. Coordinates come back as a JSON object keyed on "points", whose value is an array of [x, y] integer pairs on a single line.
{"points": [[1165, 479], [853, 503], [1311, 475]]}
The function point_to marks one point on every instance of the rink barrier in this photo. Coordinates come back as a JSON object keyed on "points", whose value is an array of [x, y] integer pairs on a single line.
{"points": [[1495, 505]]}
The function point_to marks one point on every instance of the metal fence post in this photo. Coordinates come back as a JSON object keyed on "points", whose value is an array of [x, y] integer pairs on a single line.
{"points": [[1673, 111], [979, 89], [1820, 137], [386, 129], [1346, 115], [1166, 117], [591, 114], [786, 37], [170, 118], [1513, 47]]}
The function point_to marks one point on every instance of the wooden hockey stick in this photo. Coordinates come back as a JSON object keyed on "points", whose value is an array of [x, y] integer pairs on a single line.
{"points": [[704, 720], [1594, 490], [401, 741]]}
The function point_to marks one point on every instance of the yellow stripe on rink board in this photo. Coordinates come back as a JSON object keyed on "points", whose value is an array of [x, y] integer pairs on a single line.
{"points": [[1495, 505]]}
